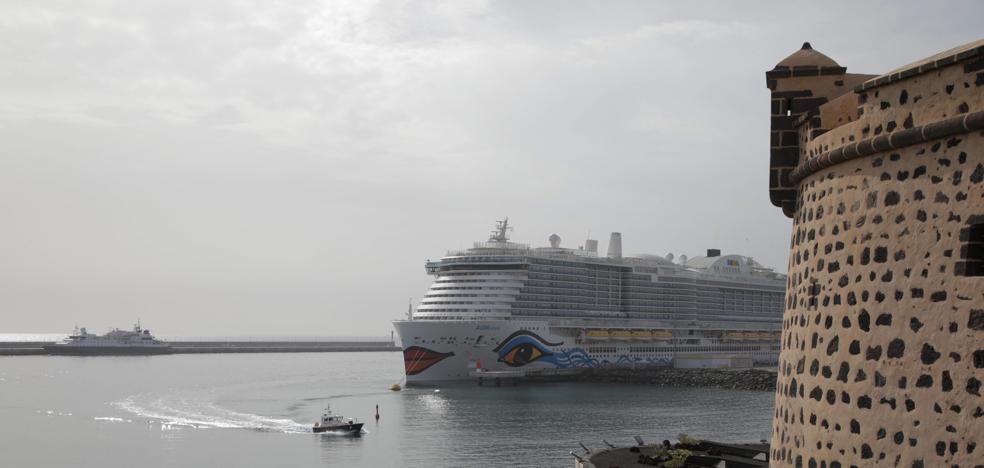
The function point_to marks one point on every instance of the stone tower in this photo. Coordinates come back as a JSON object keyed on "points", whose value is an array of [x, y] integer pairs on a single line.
{"points": [[882, 356]]}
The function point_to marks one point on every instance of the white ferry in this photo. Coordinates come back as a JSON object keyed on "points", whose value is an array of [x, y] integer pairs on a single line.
{"points": [[502, 305], [116, 342]]}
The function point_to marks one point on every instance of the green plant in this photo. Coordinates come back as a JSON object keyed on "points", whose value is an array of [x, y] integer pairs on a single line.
{"points": [[687, 440], [659, 451], [678, 457]]}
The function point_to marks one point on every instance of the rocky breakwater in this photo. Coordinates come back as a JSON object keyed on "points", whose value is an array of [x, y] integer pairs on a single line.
{"points": [[741, 379]]}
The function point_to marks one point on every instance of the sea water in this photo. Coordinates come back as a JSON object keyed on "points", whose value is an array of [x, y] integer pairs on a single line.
{"points": [[248, 410]]}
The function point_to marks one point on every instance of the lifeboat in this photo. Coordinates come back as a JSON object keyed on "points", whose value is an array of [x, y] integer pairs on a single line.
{"points": [[620, 334], [597, 334]]}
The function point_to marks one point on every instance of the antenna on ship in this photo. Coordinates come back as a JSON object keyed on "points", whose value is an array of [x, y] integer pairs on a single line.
{"points": [[410, 309], [501, 228]]}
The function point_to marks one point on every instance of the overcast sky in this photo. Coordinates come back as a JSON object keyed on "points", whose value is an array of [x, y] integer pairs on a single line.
{"points": [[264, 167]]}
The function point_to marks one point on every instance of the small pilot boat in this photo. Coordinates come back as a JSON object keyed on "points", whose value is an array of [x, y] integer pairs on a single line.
{"points": [[337, 424]]}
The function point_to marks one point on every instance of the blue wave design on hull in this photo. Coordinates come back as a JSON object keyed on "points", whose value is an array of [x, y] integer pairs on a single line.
{"points": [[582, 359], [575, 357], [524, 347]]}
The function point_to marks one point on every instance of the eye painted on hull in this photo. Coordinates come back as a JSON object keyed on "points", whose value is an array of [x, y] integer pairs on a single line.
{"points": [[522, 348], [522, 354], [521, 334]]}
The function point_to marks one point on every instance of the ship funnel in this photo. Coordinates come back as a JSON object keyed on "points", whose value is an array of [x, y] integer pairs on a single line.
{"points": [[713, 252], [554, 241], [591, 245], [615, 245]]}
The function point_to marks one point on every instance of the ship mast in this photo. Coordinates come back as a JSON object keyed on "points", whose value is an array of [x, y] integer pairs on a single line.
{"points": [[501, 228]]}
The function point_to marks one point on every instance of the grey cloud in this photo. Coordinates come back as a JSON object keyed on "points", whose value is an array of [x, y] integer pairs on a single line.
{"points": [[286, 167]]}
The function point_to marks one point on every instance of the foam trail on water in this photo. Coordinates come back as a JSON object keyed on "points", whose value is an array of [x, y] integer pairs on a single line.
{"points": [[198, 414]]}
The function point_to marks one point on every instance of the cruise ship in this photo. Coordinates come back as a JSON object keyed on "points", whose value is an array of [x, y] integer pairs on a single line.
{"points": [[506, 306], [117, 342]]}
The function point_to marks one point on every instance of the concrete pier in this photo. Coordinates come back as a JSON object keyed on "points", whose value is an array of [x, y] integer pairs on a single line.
{"points": [[761, 379], [22, 348], [496, 378], [232, 346]]}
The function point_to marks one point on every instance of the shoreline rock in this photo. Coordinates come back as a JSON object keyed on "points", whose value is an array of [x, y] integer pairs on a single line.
{"points": [[757, 379]]}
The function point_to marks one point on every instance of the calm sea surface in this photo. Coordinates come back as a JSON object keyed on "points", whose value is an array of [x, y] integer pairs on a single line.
{"points": [[250, 410]]}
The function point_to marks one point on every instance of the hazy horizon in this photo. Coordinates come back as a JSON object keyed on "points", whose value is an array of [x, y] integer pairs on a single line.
{"points": [[286, 168]]}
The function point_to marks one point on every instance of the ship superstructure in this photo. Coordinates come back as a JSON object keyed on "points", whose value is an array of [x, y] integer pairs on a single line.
{"points": [[504, 305], [116, 342]]}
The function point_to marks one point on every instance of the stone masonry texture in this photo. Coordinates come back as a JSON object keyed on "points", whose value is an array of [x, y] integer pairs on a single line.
{"points": [[882, 360]]}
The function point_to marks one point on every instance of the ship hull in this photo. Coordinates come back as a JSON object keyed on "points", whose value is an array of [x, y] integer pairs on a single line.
{"points": [[61, 350], [350, 429], [436, 350]]}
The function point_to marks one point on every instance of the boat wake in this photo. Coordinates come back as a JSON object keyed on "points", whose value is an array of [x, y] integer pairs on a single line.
{"points": [[110, 419], [174, 413]]}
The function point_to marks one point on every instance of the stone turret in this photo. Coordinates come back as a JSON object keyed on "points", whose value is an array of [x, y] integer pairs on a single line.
{"points": [[800, 83], [882, 357]]}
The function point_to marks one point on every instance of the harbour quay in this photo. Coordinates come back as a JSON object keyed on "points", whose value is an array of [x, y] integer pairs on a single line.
{"points": [[27, 348], [760, 379], [757, 379], [273, 346]]}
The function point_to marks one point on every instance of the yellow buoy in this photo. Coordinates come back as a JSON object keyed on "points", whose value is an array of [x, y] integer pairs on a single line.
{"points": [[396, 387]]}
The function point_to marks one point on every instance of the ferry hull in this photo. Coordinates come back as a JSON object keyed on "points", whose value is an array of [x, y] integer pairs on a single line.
{"points": [[106, 350]]}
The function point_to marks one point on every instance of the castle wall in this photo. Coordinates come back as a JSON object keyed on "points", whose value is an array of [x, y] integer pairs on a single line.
{"points": [[882, 358]]}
